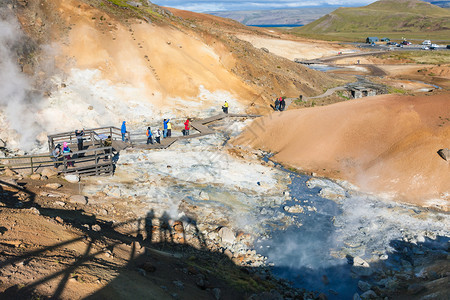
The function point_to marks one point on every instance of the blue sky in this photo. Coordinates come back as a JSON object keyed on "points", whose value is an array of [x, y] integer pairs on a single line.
{"points": [[221, 5]]}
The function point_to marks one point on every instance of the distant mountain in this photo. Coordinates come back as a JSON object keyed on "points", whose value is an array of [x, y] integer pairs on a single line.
{"points": [[297, 16], [445, 3], [383, 16]]}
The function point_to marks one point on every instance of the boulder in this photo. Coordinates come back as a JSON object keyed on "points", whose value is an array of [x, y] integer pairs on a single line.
{"points": [[49, 172], [203, 195], [227, 235], [296, 209], [78, 199], [53, 186], [35, 176], [369, 295], [9, 172], [444, 153], [72, 178], [265, 50], [364, 286]]}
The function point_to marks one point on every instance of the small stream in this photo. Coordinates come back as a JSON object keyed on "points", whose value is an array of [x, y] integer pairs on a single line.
{"points": [[315, 256]]}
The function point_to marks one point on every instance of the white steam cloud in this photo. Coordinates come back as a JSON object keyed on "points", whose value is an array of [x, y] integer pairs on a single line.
{"points": [[18, 105]]}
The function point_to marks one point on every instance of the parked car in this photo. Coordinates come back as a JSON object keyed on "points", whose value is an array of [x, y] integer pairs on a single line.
{"points": [[405, 43], [400, 45], [425, 47], [448, 46], [426, 43], [434, 46], [392, 43]]}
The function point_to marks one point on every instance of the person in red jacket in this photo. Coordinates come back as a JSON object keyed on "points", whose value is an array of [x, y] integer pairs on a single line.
{"points": [[186, 127]]}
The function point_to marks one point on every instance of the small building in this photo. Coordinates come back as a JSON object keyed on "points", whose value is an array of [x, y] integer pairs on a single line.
{"points": [[371, 40], [385, 39], [362, 91]]}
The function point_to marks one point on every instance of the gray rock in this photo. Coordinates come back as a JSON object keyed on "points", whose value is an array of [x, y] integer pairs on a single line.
{"points": [[72, 178], [178, 284], [49, 172], [364, 286], [356, 297], [78, 199], [296, 209], [53, 186], [227, 235], [444, 153], [416, 288], [96, 227], [216, 293], [265, 50], [369, 295]]}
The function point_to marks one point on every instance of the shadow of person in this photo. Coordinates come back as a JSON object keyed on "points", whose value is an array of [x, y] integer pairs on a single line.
{"points": [[165, 230], [149, 226]]}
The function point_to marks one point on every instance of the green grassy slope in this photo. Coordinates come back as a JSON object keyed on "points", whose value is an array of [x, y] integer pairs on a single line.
{"points": [[385, 16]]}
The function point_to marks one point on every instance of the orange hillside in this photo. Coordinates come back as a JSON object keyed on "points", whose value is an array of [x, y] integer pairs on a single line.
{"points": [[385, 144]]}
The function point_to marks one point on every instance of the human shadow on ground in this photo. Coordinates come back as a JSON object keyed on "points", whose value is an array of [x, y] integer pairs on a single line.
{"points": [[150, 257]]}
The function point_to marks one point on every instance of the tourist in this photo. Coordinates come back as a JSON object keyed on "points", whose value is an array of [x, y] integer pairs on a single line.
{"points": [[169, 129], [107, 143], [123, 130], [65, 152], [225, 107], [165, 127], [158, 136], [282, 104], [186, 127], [55, 155], [149, 136], [277, 104], [79, 134]]}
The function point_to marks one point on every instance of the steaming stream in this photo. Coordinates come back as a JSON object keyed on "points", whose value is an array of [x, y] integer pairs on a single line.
{"points": [[315, 256]]}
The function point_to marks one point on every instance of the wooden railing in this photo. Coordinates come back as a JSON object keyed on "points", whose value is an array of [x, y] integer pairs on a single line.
{"points": [[96, 161], [92, 136]]}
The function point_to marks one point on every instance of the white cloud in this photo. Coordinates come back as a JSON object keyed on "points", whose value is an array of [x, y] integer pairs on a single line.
{"points": [[206, 6]]}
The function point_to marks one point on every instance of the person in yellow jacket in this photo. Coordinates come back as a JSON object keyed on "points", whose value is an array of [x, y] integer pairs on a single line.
{"points": [[225, 107]]}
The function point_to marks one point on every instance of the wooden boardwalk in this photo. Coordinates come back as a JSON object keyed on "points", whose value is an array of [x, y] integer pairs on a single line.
{"points": [[198, 125], [96, 158]]}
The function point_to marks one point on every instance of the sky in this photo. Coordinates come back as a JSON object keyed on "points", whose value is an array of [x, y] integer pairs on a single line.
{"points": [[227, 5]]}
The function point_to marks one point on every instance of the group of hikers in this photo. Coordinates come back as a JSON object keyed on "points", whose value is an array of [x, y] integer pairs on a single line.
{"points": [[156, 134], [280, 104], [64, 150]]}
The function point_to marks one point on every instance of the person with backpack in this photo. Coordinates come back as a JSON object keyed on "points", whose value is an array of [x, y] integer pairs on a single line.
{"points": [[107, 143], [186, 127], [165, 128], [65, 151], [149, 136], [56, 153], [123, 130], [225, 107], [158, 136], [169, 129], [282, 104], [277, 104], [79, 134]]}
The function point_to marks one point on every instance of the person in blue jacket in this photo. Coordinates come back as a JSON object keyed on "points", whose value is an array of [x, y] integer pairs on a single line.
{"points": [[123, 130], [165, 127]]}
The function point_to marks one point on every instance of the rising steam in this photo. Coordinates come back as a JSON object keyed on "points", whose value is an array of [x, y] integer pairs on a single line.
{"points": [[18, 104]]}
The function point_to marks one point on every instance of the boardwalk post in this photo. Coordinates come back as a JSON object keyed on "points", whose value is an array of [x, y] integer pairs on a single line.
{"points": [[92, 138], [31, 163], [110, 132]]}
